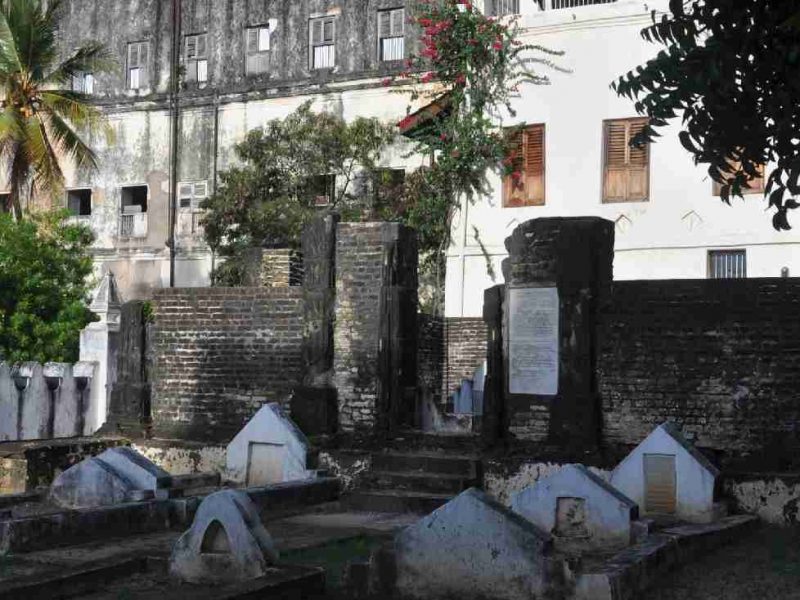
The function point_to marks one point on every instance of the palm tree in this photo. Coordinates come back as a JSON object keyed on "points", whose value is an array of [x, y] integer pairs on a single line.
{"points": [[42, 120]]}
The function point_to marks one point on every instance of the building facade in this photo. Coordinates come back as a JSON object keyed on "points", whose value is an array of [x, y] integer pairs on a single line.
{"points": [[194, 76], [574, 160]]}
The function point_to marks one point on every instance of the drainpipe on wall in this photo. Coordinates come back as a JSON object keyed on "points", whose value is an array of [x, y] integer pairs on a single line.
{"points": [[173, 140]]}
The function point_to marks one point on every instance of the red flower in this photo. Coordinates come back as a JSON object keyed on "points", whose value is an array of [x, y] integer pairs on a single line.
{"points": [[498, 45], [428, 77], [443, 137], [516, 176], [461, 79], [387, 81]]}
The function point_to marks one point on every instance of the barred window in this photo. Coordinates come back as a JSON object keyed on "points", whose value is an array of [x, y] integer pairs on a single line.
{"points": [[727, 264]]}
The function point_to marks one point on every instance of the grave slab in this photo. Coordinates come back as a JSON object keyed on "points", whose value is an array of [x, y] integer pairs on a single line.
{"points": [[473, 547], [269, 449], [579, 508], [226, 542]]}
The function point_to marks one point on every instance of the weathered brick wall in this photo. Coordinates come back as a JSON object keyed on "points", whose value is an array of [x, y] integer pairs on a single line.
{"points": [[718, 357], [220, 354], [430, 355], [465, 350], [274, 267], [359, 276]]}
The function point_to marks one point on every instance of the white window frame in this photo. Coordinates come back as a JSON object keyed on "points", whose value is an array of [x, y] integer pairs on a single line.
{"points": [[83, 83], [396, 33], [193, 191], [196, 56], [137, 65], [257, 45], [322, 47]]}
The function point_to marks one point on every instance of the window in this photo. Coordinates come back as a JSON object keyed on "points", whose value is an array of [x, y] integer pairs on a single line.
{"points": [[391, 34], [502, 8], [322, 189], [5, 202], [83, 83], [525, 186], [257, 50], [138, 53], [727, 264], [133, 220], [197, 58], [190, 195], [626, 176], [79, 202], [756, 184], [323, 40]]}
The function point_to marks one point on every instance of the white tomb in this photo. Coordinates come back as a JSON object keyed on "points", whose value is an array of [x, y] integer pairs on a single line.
{"points": [[115, 476], [667, 475], [226, 543], [269, 449], [580, 509], [473, 547]]}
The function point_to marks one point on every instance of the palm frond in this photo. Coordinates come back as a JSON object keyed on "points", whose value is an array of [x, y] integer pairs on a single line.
{"points": [[90, 58], [68, 143]]}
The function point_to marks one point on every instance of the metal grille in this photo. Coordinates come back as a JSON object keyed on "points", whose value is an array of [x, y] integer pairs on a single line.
{"points": [[557, 4], [727, 264], [506, 7], [393, 48], [659, 483]]}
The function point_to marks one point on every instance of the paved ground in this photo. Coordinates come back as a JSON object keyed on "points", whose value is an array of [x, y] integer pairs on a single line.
{"points": [[763, 566]]}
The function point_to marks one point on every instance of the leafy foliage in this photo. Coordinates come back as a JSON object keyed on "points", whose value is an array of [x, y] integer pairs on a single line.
{"points": [[40, 118], [267, 199], [473, 65], [44, 270], [731, 70]]}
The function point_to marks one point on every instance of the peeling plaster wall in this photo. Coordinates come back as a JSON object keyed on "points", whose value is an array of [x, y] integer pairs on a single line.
{"points": [[214, 116], [501, 479], [772, 498], [184, 460]]}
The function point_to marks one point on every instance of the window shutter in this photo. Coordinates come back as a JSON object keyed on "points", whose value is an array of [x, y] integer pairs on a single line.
{"points": [[133, 56], [143, 62], [528, 147], [627, 169], [329, 31], [202, 46], [398, 22], [756, 185], [384, 24], [316, 32], [252, 41], [191, 47]]}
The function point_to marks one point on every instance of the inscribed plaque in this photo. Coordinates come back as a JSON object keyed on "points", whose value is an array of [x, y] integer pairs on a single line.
{"points": [[533, 341]]}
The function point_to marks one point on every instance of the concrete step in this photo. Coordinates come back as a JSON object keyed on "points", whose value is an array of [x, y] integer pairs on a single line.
{"points": [[435, 483], [431, 463], [394, 501]]}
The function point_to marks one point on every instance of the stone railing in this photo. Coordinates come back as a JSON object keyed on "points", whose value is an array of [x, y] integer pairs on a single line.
{"points": [[45, 401]]}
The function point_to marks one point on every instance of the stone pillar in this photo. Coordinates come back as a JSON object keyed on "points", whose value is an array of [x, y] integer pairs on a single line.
{"points": [[557, 275], [374, 361], [129, 405], [493, 424], [100, 344], [313, 405]]}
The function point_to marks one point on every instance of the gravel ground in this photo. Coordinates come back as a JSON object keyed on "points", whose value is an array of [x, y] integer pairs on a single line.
{"points": [[763, 566]]}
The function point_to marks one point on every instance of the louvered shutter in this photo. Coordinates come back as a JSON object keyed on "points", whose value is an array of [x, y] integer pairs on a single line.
{"points": [[528, 147], [384, 24], [316, 32], [756, 185], [202, 45], [329, 31], [627, 169], [144, 48], [252, 41], [398, 22], [191, 47]]}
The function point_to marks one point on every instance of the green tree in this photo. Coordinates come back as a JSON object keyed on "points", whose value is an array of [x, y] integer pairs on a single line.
{"points": [[41, 120], [269, 196], [731, 70], [44, 290]]}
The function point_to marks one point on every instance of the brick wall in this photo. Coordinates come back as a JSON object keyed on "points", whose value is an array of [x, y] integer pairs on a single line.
{"points": [[430, 355], [359, 276], [718, 357], [465, 351], [219, 354]]}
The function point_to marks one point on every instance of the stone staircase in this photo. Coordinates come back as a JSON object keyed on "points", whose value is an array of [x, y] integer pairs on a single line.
{"points": [[417, 482]]}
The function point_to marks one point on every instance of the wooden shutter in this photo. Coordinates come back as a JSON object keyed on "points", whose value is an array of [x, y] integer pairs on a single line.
{"points": [[384, 24], [756, 185], [398, 22], [252, 41], [529, 160], [202, 45], [191, 47], [329, 31], [316, 32], [144, 48], [627, 169]]}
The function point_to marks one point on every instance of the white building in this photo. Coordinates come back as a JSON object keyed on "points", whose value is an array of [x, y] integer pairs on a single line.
{"points": [[670, 225]]}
